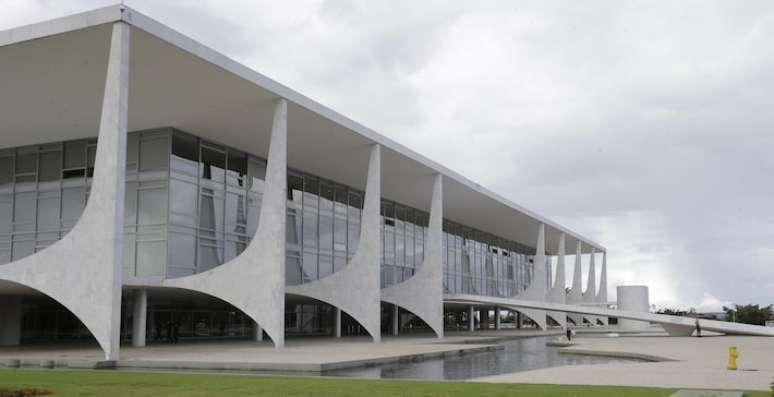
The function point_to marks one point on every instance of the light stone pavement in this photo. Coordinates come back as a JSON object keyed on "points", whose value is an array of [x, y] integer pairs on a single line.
{"points": [[700, 363], [299, 354]]}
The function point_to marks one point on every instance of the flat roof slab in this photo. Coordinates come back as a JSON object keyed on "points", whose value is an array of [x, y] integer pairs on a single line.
{"points": [[53, 75]]}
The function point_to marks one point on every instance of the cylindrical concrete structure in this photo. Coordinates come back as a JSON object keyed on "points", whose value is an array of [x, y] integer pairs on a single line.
{"points": [[634, 298]]}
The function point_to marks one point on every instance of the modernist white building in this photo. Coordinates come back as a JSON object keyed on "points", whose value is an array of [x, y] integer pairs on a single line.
{"points": [[149, 183]]}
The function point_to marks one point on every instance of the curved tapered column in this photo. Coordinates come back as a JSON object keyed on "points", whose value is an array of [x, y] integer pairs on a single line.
{"points": [[575, 296], [537, 287], [602, 294], [422, 294], [254, 281], [557, 293], [82, 271], [355, 289], [590, 295]]}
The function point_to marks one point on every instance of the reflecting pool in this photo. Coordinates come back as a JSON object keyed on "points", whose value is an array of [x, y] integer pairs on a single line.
{"points": [[517, 355]]}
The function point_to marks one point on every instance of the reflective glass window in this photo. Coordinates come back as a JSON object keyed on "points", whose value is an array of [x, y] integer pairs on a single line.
{"points": [[6, 170], [353, 221], [293, 270], [73, 201], [48, 211], [75, 154], [151, 258], [185, 153], [326, 218], [91, 155], [152, 206], [309, 264], [22, 248], [182, 252], [211, 211], [26, 161], [154, 153], [182, 202], [210, 254], [130, 203], [24, 208], [6, 216], [340, 221], [257, 174], [213, 164], [237, 168], [132, 146], [311, 189], [50, 168]]}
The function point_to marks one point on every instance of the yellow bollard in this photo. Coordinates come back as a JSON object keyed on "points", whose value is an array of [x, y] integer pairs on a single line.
{"points": [[732, 356]]}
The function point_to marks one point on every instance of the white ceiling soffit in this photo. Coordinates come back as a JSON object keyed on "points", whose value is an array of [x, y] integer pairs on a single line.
{"points": [[52, 77]]}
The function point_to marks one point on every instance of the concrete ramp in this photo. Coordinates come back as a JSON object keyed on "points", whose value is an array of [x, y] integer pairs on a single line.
{"points": [[683, 324]]}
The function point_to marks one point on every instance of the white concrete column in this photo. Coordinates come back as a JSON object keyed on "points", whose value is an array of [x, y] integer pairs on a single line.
{"points": [[395, 320], [575, 295], [254, 281], [111, 148], [537, 290], [140, 316], [257, 332], [92, 289], [559, 283], [422, 294], [10, 321], [557, 293], [356, 288], [602, 293], [471, 318], [497, 318], [337, 322], [591, 282], [590, 296]]}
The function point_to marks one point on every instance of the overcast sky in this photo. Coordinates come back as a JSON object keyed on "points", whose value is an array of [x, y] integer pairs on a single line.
{"points": [[647, 126]]}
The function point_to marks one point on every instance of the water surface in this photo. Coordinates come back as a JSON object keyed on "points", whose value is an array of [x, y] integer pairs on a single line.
{"points": [[518, 355]]}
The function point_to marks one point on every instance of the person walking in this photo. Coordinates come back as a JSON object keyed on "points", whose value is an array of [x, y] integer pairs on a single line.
{"points": [[569, 332], [698, 328], [175, 330]]}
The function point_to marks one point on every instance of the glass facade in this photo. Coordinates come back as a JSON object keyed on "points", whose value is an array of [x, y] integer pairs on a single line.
{"points": [[323, 227], [43, 190], [192, 205], [480, 263], [404, 231]]}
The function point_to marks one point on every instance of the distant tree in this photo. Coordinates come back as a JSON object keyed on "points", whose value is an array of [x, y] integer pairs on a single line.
{"points": [[750, 314]]}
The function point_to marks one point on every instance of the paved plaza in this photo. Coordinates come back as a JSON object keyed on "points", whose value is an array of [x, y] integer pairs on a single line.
{"points": [[300, 354], [696, 363]]}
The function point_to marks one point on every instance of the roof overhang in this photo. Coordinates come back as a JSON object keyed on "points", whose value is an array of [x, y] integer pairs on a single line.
{"points": [[51, 84]]}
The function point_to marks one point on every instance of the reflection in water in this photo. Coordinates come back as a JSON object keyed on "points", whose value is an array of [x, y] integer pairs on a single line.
{"points": [[518, 355]]}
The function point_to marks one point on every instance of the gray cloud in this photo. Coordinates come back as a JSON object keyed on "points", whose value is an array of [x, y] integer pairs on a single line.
{"points": [[645, 126]]}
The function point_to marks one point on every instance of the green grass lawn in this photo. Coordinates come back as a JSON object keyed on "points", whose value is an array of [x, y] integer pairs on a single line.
{"points": [[116, 383]]}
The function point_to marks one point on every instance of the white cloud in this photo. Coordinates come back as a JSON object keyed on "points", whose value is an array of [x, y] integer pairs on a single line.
{"points": [[645, 126]]}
